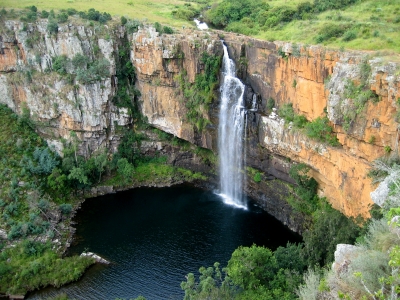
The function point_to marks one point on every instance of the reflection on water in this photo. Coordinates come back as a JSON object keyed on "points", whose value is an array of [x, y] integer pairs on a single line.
{"points": [[154, 237]]}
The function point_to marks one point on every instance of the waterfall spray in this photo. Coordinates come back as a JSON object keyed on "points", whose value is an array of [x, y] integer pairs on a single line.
{"points": [[231, 133]]}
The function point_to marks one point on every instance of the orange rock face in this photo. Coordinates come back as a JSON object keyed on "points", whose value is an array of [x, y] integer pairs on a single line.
{"points": [[159, 59], [303, 79]]}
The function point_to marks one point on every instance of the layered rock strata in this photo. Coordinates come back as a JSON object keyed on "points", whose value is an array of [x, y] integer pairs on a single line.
{"points": [[315, 80]]}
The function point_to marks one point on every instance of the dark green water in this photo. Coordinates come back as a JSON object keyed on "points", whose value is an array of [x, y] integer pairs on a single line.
{"points": [[154, 237]]}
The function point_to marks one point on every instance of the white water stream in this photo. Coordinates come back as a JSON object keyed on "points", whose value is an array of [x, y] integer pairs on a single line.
{"points": [[200, 25], [231, 135]]}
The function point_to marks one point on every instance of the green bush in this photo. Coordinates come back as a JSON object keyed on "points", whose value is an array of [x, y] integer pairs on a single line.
{"points": [[306, 190], [200, 94], [60, 64], [80, 61], [320, 130], [349, 35], [44, 14], [65, 208], [330, 31], [257, 177], [52, 26], [62, 17], [286, 112], [270, 104], [229, 11], [330, 228], [187, 13], [98, 70], [323, 5]]}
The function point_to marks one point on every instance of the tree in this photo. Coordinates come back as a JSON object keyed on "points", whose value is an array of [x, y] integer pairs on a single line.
{"points": [[251, 267], [100, 161], [125, 169], [79, 175], [123, 20]]}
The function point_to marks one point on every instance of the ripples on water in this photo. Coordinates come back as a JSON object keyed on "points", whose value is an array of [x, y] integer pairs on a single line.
{"points": [[154, 237]]}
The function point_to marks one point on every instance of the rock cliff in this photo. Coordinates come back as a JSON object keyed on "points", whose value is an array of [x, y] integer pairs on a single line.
{"points": [[315, 80]]}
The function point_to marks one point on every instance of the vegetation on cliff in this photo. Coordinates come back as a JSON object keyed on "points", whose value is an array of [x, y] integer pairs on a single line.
{"points": [[31, 216], [200, 94]]}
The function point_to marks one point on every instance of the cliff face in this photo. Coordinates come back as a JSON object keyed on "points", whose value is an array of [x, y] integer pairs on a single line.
{"points": [[316, 81], [159, 59], [58, 105]]}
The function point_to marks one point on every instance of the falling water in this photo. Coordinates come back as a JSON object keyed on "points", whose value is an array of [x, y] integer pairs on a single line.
{"points": [[231, 131]]}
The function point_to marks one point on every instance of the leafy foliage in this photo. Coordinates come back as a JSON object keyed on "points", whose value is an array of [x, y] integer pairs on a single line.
{"points": [[31, 265], [200, 94], [330, 228], [163, 29], [253, 16], [320, 130], [306, 189], [252, 273], [98, 70]]}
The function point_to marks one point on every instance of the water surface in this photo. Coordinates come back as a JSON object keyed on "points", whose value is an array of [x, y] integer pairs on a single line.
{"points": [[154, 237]]}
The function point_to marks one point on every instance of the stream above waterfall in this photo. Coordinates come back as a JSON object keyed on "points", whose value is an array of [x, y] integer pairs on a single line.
{"points": [[154, 237]]}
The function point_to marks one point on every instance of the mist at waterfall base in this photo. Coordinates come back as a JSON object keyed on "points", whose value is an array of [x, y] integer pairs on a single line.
{"points": [[154, 237], [231, 131]]}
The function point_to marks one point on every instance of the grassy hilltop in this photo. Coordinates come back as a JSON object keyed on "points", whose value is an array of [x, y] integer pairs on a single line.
{"points": [[345, 24]]}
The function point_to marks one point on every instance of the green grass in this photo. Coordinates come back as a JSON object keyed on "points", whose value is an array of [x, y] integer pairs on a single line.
{"points": [[150, 10], [367, 17], [155, 173], [30, 265], [376, 23]]}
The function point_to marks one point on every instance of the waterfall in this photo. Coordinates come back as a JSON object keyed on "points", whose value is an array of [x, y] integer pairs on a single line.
{"points": [[231, 134], [254, 105]]}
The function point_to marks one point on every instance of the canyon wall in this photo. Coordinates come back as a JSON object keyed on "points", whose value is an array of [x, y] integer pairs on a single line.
{"points": [[315, 80]]}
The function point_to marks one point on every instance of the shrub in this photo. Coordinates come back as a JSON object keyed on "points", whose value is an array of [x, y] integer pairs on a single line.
{"points": [[286, 112], [250, 267], [44, 14], [80, 61], [330, 228], [310, 289], [299, 121], [62, 17], [132, 26], [65, 208], [323, 5], [99, 69], [329, 31], [60, 64], [123, 20], [71, 11], [257, 177], [185, 13], [168, 30], [52, 26], [349, 35], [320, 130], [270, 104], [306, 189], [44, 161]]}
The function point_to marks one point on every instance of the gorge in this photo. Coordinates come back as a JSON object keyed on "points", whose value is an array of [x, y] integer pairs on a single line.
{"points": [[94, 92]]}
